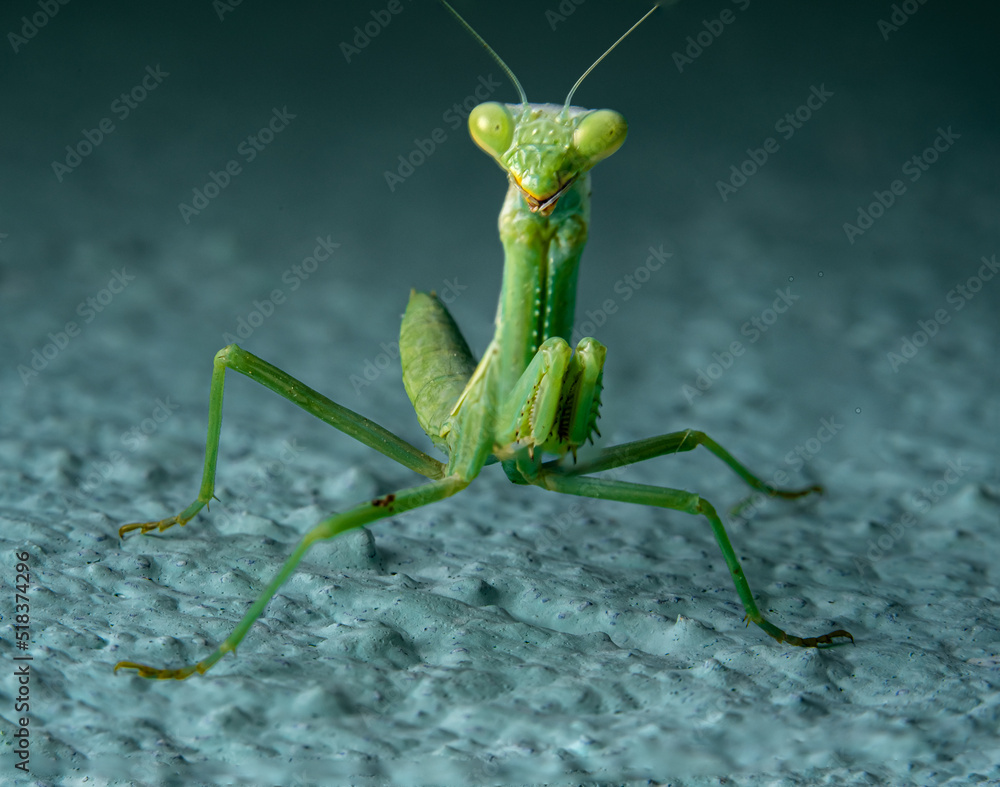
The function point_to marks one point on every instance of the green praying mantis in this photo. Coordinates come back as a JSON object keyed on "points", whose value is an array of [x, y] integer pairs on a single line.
{"points": [[529, 395]]}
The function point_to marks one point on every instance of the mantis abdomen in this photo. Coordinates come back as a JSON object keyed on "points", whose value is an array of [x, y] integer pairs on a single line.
{"points": [[437, 361]]}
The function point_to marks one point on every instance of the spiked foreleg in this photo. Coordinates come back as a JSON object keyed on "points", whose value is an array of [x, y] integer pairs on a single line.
{"points": [[553, 406]]}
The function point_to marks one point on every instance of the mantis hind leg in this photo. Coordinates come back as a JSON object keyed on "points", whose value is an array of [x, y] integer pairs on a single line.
{"points": [[689, 503], [347, 421], [373, 510]]}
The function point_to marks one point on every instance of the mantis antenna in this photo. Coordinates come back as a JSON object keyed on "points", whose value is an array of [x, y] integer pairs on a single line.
{"points": [[572, 90], [510, 74], [471, 31]]}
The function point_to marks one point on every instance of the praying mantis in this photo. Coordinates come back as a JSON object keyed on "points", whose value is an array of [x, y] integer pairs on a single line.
{"points": [[529, 395]]}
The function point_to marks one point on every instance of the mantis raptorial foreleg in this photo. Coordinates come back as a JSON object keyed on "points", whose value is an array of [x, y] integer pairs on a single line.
{"points": [[529, 394], [556, 398]]}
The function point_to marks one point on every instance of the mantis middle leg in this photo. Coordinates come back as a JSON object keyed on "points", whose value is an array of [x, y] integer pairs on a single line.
{"points": [[675, 443], [347, 421], [690, 503]]}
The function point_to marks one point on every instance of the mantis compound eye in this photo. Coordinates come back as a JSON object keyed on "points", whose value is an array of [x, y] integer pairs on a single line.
{"points": [[492, 128], [600, 134]]}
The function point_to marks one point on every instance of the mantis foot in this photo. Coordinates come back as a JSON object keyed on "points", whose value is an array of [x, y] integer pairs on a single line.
{"points": [[181, 519], [161, 674], [826, 639], [806, 642], [145, 527]]}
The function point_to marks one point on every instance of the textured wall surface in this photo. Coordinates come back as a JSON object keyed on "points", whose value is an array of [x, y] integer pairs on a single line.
{"points": [[507, 635]]}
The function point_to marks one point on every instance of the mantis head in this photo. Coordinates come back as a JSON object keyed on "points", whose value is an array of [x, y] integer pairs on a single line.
{"points": [[544, 148]]}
